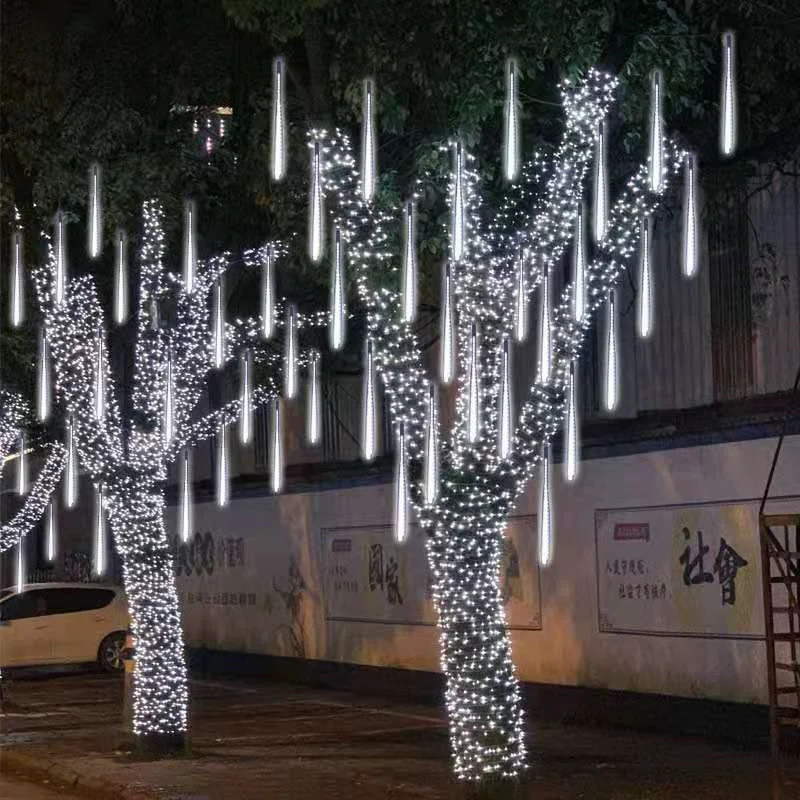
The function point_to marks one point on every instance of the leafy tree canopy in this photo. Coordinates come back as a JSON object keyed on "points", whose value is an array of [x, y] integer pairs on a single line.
{"points": [[100, 81]]}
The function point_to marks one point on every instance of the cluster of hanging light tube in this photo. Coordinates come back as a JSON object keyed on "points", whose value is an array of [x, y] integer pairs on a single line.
{"points": [[458, 250], [458, 242], [219, 336]]}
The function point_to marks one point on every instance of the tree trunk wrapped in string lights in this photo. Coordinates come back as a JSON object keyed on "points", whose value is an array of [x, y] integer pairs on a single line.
{"points": [[179, 340], [464, 501]]}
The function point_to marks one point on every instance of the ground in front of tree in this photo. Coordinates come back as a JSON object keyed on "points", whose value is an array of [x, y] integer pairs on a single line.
{"points": [[253, 739]]}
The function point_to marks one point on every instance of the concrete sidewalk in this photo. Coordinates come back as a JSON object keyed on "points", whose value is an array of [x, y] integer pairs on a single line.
{"points": [[252, 740]]}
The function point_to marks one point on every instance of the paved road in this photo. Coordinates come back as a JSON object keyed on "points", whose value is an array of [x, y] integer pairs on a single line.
{"points": [[12, 789], [252, 739]]}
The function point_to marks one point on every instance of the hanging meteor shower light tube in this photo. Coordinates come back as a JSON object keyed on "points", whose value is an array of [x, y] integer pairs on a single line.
{"points": [[545, 510], [571, 428], [600, 207], [51, 531], [473, 386], [458, 227], [316, 207], [71, 471], [314, 401], [186, 499], [521, 299], [189, 245], [276, 452], [121, 277], [691, 232], [728, 100], [431, 456], [579, 266], [60, 246], [655, 166], [268, 292], [21, 571], [280, 136], [22, 465], [100, 550], [100, 376], [291, 379], [511, 125], [644, 315], [611, 386], [44, 398], [218, 323], [369, 146], [95, 233], [409, 279], [338, 324], [223, 467], [505, 426], [545, 328], [246, 397], [402, 497], [16, 295], [369, 406], [169, 398], [447, 355]]}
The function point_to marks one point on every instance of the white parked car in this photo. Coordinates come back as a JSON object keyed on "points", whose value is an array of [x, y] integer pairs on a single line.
{"points": [[63, 623]]}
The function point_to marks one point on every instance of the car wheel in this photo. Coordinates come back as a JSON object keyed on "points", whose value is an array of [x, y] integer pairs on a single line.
{"points": [[109, 656]]}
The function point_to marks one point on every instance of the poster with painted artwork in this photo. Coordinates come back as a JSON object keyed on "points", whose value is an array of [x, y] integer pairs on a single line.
{"points": [[368, 577], [691, 570], [241, 586]]}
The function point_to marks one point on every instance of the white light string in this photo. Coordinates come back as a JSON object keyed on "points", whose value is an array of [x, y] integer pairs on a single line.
{"points": [[132, 476]]}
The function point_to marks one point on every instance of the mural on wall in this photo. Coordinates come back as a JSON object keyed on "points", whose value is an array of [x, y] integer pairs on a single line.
{"points": [[370, 578], [769, 284], [229, 599], [292, 597], [690, 570]]}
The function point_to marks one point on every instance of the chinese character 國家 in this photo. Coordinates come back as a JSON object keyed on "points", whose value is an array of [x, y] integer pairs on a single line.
{"points": [[726, 565], [692, 565]]}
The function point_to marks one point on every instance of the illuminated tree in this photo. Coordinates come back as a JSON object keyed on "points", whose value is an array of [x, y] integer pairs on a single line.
{"points": [[180, 337], [500, 257], [14, 417]]}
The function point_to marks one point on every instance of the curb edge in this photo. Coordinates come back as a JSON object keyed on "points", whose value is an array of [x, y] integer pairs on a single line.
{"points": [[40, 770]]}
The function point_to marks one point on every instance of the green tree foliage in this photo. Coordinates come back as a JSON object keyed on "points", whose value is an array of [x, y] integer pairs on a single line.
{"points": [[439, 71], [99, 81], [439, 64]]}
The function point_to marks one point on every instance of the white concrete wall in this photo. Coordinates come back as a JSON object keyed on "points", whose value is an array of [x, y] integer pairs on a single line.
{"points": [[569, 648]]}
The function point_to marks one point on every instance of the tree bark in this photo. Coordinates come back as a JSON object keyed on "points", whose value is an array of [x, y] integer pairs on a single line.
{"points": [[482, 692], [160, 691]]}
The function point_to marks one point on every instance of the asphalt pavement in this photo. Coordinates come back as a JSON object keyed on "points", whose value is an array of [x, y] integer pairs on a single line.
{"points": [[251, 740], [15, 789]]}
